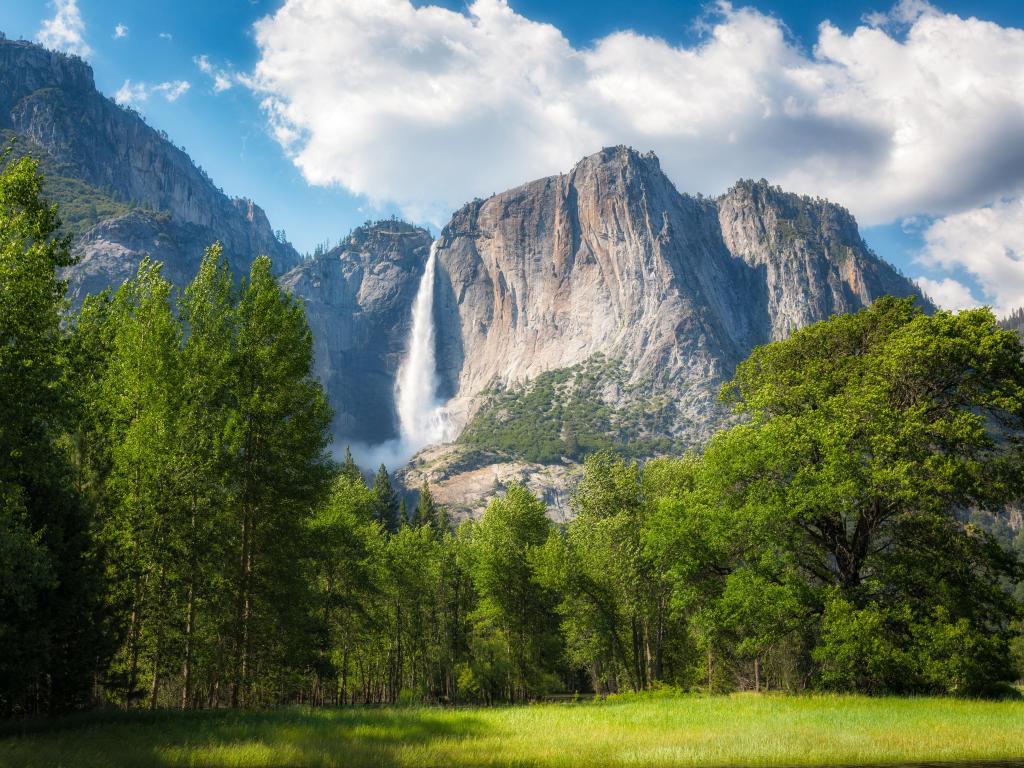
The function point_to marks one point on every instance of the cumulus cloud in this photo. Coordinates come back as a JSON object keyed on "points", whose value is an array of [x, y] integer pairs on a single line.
{"points": [[120, 31], [426, 107], [66, 30], [165, 36], [223, 79], [948, 293], [138, 93], [986, 243]]}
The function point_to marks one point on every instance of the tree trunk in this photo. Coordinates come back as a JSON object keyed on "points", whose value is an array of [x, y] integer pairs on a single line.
{"points": [[133, 639], [710, 670], [154, 689], [186, 664], [241, 619], [190, 614]]}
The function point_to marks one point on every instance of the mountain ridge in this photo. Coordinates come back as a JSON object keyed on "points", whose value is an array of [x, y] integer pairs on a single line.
{"points": [[163, 204]]}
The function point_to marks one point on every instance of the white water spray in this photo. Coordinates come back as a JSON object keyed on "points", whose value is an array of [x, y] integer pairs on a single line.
{"points": [[422, 419]]}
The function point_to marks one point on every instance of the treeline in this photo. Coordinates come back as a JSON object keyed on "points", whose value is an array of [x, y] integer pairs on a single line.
{"points": [[173, 532]]}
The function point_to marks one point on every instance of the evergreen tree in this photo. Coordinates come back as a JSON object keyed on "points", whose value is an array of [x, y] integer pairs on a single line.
{"points": [[279, 470], [50, 620], [387, 510], [428, 512], [349, 468]]}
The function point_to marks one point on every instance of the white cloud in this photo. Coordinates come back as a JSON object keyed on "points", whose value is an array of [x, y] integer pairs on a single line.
{"points": [[948, 293], [138, 93], [427, 107], [165, 36], [131, 93], [66, 30], [174, 90], [222, 79], [988, 244], [120, 31]]}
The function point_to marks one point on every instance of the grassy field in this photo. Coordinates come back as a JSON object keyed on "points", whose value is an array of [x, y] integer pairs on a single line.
{"points": [[693, 731]]}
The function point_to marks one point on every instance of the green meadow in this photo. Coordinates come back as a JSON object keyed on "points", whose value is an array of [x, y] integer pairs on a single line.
{"points": [[736, 730]]}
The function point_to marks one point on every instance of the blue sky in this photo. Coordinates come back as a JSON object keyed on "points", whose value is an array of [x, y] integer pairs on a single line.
{"points": [[320, 166]]}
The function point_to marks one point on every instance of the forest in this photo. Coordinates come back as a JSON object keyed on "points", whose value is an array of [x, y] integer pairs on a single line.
{"points": [[174, 532]]}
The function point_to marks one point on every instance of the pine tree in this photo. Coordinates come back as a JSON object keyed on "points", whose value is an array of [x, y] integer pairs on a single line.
{"points": [[387, 508], [279, 469], [428, 512], [349, 468]]}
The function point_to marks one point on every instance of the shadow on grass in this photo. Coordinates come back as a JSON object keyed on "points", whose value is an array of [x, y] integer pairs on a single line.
{"points": [[282, 737]]}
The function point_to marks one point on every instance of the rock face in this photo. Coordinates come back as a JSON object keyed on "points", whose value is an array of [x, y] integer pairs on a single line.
{"points": [[358, 300], [611, 259], [49, 102]]}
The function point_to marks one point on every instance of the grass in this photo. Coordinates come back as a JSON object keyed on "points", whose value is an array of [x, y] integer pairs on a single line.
{"points": [[739, 730]]}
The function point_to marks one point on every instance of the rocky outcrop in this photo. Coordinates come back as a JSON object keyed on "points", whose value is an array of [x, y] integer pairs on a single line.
{"points": [[463, 483], [358, 300], [49, 102], [808, 254], [1014, 321]]}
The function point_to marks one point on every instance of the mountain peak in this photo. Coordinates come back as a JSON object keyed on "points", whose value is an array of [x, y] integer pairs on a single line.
{"points": [[620, 156], [27, 67]]}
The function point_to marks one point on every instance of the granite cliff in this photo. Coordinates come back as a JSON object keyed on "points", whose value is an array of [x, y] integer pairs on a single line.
{"points": [[125, 189]]}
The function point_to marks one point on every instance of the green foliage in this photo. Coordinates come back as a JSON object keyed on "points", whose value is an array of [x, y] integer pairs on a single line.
{"points": [[868, 433], [428, 512], [51, 625], [387, 511], [202, 445], [516, 611], [562, 414]]}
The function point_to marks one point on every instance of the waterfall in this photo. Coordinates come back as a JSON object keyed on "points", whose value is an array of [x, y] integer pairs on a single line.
{"points": [[422, 419]]}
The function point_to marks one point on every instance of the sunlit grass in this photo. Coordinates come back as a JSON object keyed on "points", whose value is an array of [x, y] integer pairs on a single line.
{"points": [[740, 730]]}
